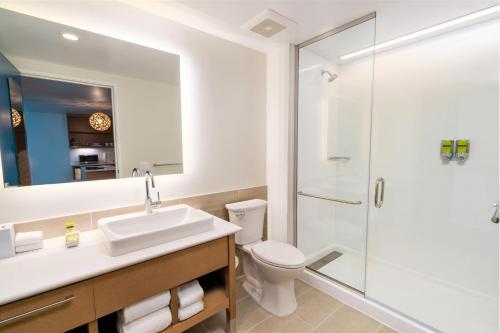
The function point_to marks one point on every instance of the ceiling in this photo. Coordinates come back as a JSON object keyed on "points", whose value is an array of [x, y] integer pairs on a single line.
{"points": [[52, 96], [312, 17], [29, 37]]}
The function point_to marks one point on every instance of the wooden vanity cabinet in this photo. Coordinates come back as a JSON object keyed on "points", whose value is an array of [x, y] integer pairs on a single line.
{"points": [[57, 310], [86, 302]]}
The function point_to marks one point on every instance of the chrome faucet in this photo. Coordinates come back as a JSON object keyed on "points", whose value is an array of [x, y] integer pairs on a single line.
{"points": [[149, 204]]}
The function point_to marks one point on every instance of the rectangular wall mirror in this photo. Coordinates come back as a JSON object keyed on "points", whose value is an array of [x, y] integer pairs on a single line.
{"points": [[78, 106]]}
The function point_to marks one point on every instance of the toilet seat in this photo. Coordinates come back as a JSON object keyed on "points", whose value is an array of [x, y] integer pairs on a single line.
{"points": [[278, 254]]}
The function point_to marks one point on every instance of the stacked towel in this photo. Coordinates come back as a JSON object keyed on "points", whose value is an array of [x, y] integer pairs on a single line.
{"points": [[145, 307], [191, 310], [190, 299], [152, 323], [29, 241], [151, 315]]}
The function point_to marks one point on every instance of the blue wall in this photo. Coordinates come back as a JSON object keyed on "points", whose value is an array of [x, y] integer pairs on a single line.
{"points": [[48, 146], [7, 139]]}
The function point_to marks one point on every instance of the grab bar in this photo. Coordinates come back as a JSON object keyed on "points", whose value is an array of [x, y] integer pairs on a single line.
{"points": [[348, 202], [33, 312]]}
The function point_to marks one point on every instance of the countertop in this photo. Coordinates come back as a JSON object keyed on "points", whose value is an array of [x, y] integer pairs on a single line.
{"points": [[30, 273]]}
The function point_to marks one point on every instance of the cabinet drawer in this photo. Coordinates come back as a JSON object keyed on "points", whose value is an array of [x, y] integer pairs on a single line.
{"points": [[115, 290], [54, 311]]}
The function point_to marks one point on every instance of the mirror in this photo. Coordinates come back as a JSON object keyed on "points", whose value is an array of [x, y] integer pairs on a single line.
{"points": [[77, 106]]}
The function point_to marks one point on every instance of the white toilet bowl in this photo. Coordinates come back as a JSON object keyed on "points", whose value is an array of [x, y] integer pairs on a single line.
{"points": [[270, 267], [278, 292]]}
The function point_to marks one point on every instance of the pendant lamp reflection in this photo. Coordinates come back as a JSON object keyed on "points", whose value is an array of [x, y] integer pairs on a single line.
{"points": [[100, 121], [16, 117]]}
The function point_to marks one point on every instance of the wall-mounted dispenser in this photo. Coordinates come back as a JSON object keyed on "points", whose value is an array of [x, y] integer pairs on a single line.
{"points": [[462, 149], [447, 150]]}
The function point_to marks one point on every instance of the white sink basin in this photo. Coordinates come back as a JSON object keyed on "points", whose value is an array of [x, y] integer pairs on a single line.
{"points": [[132, 232]]}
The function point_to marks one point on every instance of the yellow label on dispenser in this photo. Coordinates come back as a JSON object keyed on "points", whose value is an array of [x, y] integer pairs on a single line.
{"points": [[70, 225], [447, 146], [463, 146]]}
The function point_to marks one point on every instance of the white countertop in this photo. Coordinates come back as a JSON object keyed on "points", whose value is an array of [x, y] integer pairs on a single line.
{"points": [[30, 273]]}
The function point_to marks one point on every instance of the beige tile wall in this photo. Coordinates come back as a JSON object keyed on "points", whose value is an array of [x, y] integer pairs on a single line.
{"points": [[211, 203]]}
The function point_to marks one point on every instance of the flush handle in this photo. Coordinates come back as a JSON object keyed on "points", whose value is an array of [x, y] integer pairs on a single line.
{"points": [[379, 192]]}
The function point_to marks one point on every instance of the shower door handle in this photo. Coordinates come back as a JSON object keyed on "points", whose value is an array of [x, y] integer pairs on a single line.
{"points": [[379, 192]]}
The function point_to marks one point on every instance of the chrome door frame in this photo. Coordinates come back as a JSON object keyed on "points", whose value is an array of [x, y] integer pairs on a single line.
{"points": [[295, 92]]}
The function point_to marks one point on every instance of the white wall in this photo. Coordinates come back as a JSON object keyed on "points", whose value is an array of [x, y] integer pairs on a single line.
{"points": [[278, 136], [223, 96]]}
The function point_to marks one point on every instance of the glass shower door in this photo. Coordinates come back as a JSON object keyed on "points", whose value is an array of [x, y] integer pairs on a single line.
{"points": [[432, 247], [333, 142]]}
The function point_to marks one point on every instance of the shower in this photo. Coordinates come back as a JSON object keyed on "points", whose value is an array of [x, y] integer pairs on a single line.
{"points": [[399, 252], [331, 77]]}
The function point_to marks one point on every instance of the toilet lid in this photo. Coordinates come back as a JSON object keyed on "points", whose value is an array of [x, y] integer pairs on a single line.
{"points": [[279, 254]]}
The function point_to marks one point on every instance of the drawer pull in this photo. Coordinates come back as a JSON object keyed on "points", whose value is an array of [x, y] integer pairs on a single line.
{"points": [[33, 312]]}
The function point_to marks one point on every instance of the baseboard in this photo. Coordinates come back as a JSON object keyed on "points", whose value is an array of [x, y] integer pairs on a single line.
{"points": [[357, 301]]}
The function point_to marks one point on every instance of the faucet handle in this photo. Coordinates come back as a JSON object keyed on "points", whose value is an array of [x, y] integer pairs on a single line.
{"points": [[156, 204]]}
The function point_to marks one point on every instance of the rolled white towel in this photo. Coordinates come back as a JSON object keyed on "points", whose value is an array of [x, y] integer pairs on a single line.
{"points": [[152, 323], [29, 247], [189, 293], [28, 238], [142, 308], [191, 310]]}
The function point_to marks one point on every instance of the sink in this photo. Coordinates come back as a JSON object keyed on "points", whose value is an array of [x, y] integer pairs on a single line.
{"points": [[132, 232]]}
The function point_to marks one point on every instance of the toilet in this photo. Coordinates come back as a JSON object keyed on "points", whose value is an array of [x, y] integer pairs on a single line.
{"points": [[270, 267]]}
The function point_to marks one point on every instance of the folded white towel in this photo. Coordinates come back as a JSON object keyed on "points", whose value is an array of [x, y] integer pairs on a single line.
{"points": [[152, 323], [189, 293], [28, 238], [142, 308], [191, 310], [29, 247]]}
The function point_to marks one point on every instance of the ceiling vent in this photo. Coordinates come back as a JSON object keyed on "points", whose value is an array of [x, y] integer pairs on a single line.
{"points": [[268, 23]]}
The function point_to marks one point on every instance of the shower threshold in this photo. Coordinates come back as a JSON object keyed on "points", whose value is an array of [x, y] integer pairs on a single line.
{"points": [[323, 261]]}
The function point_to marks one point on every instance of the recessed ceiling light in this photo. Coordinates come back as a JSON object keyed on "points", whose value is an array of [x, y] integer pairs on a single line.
{"points": [[268, 28], [69, 36]]}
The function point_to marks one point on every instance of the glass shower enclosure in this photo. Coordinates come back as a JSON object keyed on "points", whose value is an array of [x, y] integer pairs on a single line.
{"points": [[397, 159]]}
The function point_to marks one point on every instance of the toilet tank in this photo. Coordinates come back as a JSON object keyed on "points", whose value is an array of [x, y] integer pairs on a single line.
{"points": [[249, 215]]}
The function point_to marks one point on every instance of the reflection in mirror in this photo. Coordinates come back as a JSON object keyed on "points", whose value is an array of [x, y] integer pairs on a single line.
{"points": [[85, 109], [18, 124]]}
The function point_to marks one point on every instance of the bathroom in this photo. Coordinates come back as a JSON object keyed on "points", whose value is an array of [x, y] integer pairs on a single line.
{"points": [[359, 140]]}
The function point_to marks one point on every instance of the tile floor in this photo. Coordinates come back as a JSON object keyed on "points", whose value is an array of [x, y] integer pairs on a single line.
{"points": [[316, 313]]}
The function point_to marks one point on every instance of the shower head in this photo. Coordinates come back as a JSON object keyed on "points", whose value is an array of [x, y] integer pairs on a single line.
{"points": [[331, 77]]}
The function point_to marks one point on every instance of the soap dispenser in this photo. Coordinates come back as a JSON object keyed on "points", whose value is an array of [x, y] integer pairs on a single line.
{"points": [[72, 235]]}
